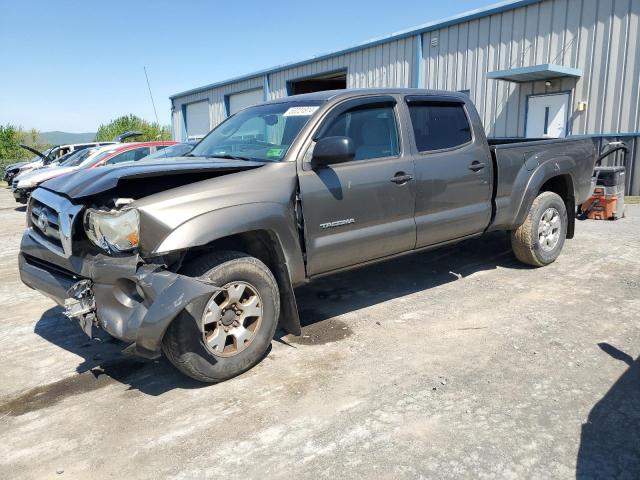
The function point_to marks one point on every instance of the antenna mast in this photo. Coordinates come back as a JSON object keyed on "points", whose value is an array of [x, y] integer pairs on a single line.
{"points": [[151, 95]]}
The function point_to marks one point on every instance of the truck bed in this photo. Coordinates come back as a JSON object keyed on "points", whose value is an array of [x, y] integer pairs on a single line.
{"points": [[521, 162]]}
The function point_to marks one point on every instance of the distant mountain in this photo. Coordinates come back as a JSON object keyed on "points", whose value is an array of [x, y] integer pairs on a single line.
{"points": [[61, 138]]}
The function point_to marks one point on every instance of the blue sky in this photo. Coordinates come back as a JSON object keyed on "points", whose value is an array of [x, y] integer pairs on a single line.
{"points": [[72, 65]]}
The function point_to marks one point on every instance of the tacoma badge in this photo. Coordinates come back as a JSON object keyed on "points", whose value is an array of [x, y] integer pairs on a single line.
{"points": [[337, 223]]}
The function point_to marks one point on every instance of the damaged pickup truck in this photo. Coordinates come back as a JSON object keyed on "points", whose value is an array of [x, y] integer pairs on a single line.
{"points": [[198, 256]]}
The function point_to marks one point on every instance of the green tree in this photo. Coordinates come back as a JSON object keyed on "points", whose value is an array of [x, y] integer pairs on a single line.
{"points": [[9, 143], [10, 139], [150, 131]]}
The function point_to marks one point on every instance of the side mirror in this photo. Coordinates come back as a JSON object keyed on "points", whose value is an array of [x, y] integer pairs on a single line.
{"points": [[331, 150]]}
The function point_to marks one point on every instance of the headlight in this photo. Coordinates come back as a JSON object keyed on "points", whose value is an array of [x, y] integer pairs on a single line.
{"points": [[114, 231]]}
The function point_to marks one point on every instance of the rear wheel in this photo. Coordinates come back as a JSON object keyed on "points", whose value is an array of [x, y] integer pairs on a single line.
{"points": [[229, 332], [539, 240]]}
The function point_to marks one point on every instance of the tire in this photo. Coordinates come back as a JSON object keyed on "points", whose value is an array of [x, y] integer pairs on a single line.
{"points": [[184, 343], [532, 242]]}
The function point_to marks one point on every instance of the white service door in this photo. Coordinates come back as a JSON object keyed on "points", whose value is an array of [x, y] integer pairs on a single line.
{"points": [[238, 101], [547, 115], [197, 119]]}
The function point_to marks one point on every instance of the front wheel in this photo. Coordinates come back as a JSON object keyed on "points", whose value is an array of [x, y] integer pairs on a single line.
{"points": [[539, 240], [229, 332]]}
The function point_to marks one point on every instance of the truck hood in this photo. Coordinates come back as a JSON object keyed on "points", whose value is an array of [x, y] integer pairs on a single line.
{"points": [[89, 182]]}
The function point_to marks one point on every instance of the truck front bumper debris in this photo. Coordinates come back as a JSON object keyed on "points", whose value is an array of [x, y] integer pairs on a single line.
{"points": [[132, 301], [81, 305]]}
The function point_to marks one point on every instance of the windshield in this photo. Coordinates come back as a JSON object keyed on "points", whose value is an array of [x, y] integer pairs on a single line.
{"points": [[77, 158], [177, 150], [263, 132], [62, 159], [93, 159]]}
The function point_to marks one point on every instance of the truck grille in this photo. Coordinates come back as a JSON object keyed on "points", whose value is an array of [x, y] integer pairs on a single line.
{"points": [[46, 222], [52, 220]]}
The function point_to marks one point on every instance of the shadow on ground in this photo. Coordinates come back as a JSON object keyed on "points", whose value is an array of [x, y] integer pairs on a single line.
{"points": [[19, 208], [345, 292], [102, 360], [610, 441]]}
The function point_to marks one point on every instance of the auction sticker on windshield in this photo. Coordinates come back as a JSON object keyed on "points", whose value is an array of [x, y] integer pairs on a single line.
{"points": [[300, 111]]}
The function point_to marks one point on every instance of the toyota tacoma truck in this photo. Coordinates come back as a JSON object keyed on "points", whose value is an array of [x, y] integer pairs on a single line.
{"points": [[197, 257]]}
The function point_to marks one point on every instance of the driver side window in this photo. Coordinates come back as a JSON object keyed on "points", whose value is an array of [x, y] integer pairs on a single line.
{"points": [[372, 128]]}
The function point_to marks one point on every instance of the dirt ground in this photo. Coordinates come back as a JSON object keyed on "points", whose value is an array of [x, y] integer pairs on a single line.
{"points": [[457, 363]]}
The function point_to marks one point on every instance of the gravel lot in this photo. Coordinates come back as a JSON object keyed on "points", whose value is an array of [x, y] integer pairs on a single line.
{"points": [[455, 363]]}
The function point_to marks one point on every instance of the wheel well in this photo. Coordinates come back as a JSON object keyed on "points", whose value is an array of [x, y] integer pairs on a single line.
{"points": [[264, 246], [563, 186], [260, 244]]}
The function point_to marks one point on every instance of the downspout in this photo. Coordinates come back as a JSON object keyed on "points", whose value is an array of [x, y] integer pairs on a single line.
{"points": [[266, 91], [418, 63]]}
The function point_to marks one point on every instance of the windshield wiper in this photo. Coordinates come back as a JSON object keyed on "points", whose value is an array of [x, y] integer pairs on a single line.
{"points": [[230, 157]]}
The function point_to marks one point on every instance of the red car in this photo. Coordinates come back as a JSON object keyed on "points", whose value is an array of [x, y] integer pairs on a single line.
{"points": [[125, 152], [22, 186]]}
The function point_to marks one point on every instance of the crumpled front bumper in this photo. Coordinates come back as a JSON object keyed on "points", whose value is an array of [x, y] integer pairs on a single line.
{"points": [[134, 302]]}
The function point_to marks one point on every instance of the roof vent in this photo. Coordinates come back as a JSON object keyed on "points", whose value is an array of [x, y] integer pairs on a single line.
{"points": [[434, 42]]}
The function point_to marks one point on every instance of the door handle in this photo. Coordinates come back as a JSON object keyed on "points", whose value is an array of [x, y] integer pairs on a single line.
{"points": [[400, 178], [476, 166]]}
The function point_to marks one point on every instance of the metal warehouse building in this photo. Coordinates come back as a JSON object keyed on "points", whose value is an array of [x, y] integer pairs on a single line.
{"points": [[532, 67]]}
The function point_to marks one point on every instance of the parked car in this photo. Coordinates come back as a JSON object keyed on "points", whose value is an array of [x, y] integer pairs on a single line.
{"points": [[50, 157], [11, 170], [198, 258], [24, 184]]}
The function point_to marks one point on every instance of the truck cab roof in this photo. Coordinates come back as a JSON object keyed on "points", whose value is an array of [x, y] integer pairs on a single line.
{"points": [[327, 95]]}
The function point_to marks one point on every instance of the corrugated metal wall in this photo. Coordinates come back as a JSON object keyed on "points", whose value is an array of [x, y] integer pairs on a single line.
{"points": [[387, 65], [216, 103], [600, 37]]}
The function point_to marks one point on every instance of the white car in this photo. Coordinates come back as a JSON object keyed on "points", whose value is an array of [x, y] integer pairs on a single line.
{"points": [[49, 158], [24, 183], [56, 155]]}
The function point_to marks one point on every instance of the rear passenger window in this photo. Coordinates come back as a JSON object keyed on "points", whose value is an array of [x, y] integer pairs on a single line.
{"points": [[372, 128], [438, 125]]}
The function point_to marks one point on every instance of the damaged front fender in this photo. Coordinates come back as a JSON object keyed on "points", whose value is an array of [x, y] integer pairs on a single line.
{"points": [[139, 308], [171, 293]]}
